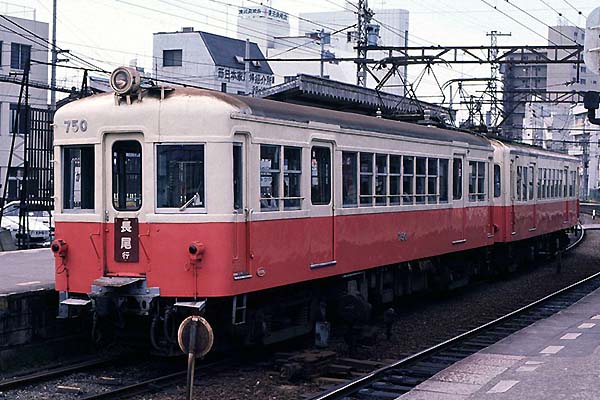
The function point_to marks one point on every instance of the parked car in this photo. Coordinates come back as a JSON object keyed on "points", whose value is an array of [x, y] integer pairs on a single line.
{"points": [[41, 224]]}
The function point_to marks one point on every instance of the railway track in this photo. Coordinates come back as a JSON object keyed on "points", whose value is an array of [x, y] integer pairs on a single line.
{"points": [[396, 379]]}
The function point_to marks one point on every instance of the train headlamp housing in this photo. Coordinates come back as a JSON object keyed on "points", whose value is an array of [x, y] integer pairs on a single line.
{"points": [[125, 80]]}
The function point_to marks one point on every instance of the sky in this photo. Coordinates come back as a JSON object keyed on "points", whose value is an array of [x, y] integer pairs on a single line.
{"points": [[110, 33]]}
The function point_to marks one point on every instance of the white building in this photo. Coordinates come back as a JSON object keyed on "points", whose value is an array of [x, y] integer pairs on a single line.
{"points": [[585, 137], [16, 49], [262, 24], [209, 61]]}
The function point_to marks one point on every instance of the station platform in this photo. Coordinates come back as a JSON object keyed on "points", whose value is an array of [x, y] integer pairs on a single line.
{"points": [[556, 358], [26, 270]]}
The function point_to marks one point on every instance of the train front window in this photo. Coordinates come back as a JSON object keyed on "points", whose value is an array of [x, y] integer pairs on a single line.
{"points": [[180, 176], [78, 178], [127, 175]]}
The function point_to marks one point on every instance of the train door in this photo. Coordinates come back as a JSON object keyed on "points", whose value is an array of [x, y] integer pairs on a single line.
{"points": [[122, 204], [458, 199], [513, 196], [242, 213], [322, 234]]}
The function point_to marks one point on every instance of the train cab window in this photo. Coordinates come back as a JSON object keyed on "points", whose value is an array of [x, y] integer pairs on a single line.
{"points": [[443, 176], [180, 176], [127, 175], [78, 178], [292, 173], [366, 179], [476, 181], [395, 176], [408, 174], [320, 175], [349, 179], [497, 181], [381, 173], [420, 179], [457, 177]]}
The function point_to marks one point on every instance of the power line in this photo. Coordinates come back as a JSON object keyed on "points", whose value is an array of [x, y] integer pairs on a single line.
{"points": [[558, 12], [578, 12]]}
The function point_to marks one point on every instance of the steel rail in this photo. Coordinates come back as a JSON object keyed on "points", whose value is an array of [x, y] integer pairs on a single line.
{"points": [[35, 377], [151, 384], [363, 381]]}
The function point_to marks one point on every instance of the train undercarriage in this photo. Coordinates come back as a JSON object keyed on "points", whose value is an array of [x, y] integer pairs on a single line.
{"points": [[127, 311]]}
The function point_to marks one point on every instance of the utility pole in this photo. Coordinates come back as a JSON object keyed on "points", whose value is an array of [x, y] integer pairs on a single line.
{"points": [[494, 69], [54, 59], [321, 39], [364, 18]]}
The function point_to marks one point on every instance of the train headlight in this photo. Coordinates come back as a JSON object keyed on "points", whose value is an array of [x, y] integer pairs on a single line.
{"points": [[125, 80]]}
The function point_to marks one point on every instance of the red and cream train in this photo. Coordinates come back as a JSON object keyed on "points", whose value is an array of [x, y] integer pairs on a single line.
{"points": [[255, 213]]}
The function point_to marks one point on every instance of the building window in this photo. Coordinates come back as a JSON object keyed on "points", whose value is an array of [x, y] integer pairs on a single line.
{"points": [[349, 179], [172, 58], [582, 81], [78, 178], [127, 175], [223, 87], [18, 121], [19, 55], [180, 176], [476, 181], [320, 175]]}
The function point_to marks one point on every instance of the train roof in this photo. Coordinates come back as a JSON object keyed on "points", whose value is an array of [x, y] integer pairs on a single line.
{"points": [[523, 148], [304, 114], [275, 110]]}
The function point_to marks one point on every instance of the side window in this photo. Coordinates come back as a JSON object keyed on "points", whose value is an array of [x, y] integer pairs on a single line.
{"points": [[180, 176], [292, 173], [457, 177], [443, 181], [238, 177], [539, 183], [271, 195], [524, 181], [269, 178], [408, 182], [366, 179], [320, 175], [476, 181], [349, 179], [519, 183], [381, 173], [497, 181], [432, 180], [78, 178], [395, 179], [420, 178]]}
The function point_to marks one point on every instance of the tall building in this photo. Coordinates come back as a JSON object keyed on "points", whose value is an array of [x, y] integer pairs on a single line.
{"points": [[16, 50], [522, 82], [262, 24], [210, 61]]}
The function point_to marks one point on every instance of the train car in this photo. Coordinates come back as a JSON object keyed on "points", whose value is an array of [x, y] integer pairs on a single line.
{"points": [[535, 198], [257, 214]]}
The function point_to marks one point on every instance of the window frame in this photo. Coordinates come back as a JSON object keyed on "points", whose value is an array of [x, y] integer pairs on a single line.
{"points": [[174, 59], [329, 176], [21, 61], [65, 182], [175, 210], [478, 196], [280, 199], [114, 182]]}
